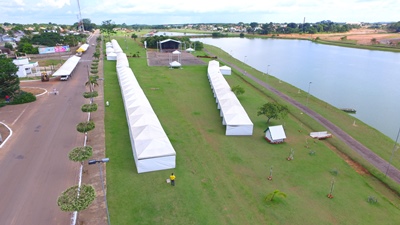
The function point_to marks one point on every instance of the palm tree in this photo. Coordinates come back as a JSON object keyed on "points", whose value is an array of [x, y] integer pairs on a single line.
{"points": [[92, 82], [270, 196], [96, 55]]}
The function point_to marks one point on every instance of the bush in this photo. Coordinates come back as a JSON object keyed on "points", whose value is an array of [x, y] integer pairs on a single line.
{"points": [[22, 97], [84, 127], [96, 60], [79, 154], [89, 108], [70, 200], [90, 94], [372, 199], [334, 172], [94, 71], [93, 67]]}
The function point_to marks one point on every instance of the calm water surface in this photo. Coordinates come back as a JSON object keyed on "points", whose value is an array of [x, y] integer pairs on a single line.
{"points": [[368, 81]]}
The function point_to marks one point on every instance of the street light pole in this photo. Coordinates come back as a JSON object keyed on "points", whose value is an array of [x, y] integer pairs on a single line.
{"points": [[93, 161], [309, 85]]}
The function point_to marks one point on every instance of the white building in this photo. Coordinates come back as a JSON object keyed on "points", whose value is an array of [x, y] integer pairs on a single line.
{"points": [[25, 67]]}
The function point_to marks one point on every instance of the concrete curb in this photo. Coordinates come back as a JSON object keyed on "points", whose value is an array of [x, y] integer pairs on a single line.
{"points": [[8, 135]]}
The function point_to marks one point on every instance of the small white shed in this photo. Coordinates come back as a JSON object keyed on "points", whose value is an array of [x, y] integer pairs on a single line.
{"points": [[275, 134]]}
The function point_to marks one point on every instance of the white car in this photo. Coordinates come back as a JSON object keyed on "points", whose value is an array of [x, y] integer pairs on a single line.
{"points": [[64, 77]]}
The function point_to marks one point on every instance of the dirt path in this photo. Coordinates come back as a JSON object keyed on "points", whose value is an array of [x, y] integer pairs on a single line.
{"points": [[366, 153]]}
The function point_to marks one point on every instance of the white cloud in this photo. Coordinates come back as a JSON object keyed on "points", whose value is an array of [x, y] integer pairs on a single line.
{"points": [[53, 3], [20, 2]]}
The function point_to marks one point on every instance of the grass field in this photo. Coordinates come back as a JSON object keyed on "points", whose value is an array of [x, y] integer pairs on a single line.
{"points": [[221, 179]]}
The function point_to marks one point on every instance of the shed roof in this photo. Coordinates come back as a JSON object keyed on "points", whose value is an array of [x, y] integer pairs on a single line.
{"points": [[277, 132]]}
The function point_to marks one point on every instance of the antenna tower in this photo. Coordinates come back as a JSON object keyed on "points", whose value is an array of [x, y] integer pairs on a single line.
{"points": [[80, 23]]}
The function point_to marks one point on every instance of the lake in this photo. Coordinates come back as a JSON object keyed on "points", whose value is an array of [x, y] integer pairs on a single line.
{"points": [[366, 80]]}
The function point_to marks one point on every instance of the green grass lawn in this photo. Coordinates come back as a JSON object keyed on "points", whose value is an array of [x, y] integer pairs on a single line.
{"points": [[223, 179]]}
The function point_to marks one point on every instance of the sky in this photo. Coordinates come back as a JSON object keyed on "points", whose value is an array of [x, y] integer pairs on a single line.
{"points": [[156, 12]]}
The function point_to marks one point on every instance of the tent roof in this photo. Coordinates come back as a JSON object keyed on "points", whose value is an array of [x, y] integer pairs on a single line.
{"points": [[167, 40], [67, 67], [190, 50], [225, 68], [153, 148], [147, 132], [176, 52], [174, 64], [277, 132]]}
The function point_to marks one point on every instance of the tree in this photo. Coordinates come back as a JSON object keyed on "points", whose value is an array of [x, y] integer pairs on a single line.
{"points": [[273, 110], [238, 90], [27, 48], [80, 154], [9, 45], [76, 198], [107, 27], [92, 82], [9, 81], [134, 36], [96, 55], [271, 196]]}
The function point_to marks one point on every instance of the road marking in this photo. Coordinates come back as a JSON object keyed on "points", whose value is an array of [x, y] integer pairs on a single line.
{"points": [[19, 116]]}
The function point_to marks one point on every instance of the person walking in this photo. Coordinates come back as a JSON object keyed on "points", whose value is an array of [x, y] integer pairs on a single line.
{"points": [[172, 178]]}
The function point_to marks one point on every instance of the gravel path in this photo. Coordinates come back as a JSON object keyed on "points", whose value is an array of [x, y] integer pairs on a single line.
{"points": [[366, 153]]}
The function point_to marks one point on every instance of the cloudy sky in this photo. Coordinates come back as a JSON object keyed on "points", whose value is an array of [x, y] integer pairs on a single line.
{"points": [[204, 11]]}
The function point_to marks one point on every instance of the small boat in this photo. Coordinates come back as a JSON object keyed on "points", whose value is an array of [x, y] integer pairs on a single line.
{"points": [[348, 110]]}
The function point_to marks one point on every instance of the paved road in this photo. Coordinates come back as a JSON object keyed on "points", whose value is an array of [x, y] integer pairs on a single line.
{"points": [[34, 164], [366, 153]]}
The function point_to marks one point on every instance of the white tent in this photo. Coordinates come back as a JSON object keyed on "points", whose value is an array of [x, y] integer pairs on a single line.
{"points": [[68, 67], [232, 112], [189, 50], [225, 70], [112, 56], [152, 150], [174, 64], [109, 50], [320, 135], [275, 134]]}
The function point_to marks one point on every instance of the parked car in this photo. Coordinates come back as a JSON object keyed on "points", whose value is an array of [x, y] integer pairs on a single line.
{"points": [[64, 77]]}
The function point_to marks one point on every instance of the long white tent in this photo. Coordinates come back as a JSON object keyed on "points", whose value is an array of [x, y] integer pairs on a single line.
{"points": [[151, 147], [232, 112], [68, 67]]}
